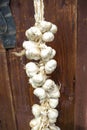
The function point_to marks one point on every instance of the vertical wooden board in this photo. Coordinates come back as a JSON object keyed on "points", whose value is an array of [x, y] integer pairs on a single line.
{"points": [[7, 115], [63, 14], [81, 69]]}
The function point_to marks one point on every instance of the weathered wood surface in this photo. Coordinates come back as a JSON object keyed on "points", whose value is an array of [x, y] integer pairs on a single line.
{"points": [[7, 116], [81, 69], [63, 14]]}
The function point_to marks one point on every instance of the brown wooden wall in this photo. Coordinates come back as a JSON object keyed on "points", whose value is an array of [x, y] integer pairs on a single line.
{"points": [[16, 96]]}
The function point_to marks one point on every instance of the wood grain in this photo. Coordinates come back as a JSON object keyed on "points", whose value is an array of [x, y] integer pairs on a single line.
{"points": [[81, 69], [7, 115], [63, 14]]}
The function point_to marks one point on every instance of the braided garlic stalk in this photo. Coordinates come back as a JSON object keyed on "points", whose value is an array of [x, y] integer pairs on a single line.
{"points": [[39, 69]]}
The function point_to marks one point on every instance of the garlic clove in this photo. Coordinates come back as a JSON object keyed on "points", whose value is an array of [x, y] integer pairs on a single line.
{"points": [[48, 37], [52, 113], [31, 69], [40, 92], [53, 28], [45, 26], [36, 110], [29, 44], [33, 34], [33, 53], [50, 66], [53, 103]]}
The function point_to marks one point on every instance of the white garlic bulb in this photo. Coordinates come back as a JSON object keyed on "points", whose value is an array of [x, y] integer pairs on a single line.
{"points": [[54, 127], [55, 93], [31, 69], [51, 121], [29, 44], [45, 26], [33, 34], [34, 122], [40, 92], [50, 66], [33, 54], [53, 28], [48, 37], [48, 84], [38, 79], [53, 102], [36, 110], [52, 113]]}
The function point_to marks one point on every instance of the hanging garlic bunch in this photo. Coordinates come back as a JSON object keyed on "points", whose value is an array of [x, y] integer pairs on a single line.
{"points": [[39, 69]]}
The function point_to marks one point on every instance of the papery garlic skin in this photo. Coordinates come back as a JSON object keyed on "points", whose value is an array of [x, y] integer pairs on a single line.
{"points": [[48, 37], [45, 26], [50, 66], [31, 69], [33, 34]]}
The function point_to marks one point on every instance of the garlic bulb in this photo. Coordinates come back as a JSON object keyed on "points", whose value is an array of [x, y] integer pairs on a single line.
{"points": [[48, 84], [53, 102], [45, 26], [29, 44], [53, 28], [54, 127], [31, 69], [35, 121], [48, 37], [50, 66], [54, 93], [52, 113], [40, 92], [47, 53], [34, 34], [36, 110], [33, 54], [38, 80]]}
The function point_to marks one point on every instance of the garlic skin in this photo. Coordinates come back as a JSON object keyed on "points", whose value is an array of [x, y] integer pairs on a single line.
{"points": [[48, 84], [54, 127], [31, 69], [53, 29], [33, 54], [50, 66], [53, 102], [36, 110], [34, 122], [52, 113], [48, 37], [40, 92], [29, 44], [45, 26], [47, 53], [33, 34], [37, 80]]}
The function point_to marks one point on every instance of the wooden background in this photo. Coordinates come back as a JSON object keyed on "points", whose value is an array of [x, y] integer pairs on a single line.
{"points": [[16, 96]]}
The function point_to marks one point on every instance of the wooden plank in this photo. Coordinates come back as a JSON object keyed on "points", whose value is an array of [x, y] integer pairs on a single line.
{"points": [[63, 14], [7, 116], [81, 69]]}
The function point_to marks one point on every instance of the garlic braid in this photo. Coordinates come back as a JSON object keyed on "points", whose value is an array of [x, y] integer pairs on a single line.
{"points": [[39, 69]]}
